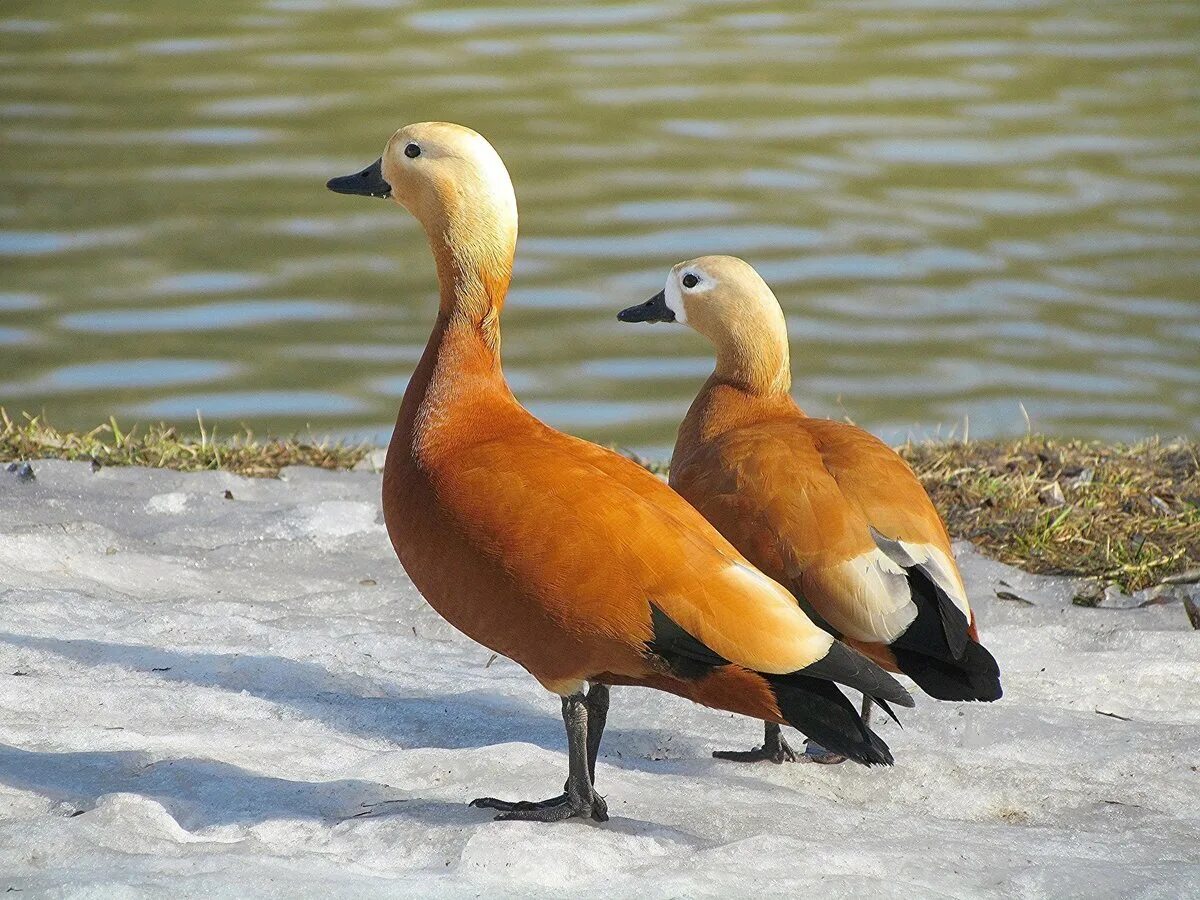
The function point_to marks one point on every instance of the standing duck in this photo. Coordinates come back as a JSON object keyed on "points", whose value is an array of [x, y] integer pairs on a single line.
{"points": [[822, 507], [561, 555]]}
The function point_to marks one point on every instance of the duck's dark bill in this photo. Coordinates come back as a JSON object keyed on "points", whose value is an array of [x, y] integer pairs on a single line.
{"points": [[367, 183], [653, 310]]}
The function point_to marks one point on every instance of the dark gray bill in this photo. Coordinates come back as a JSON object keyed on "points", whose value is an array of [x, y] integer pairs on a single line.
{"points": [[368, 183], [653, 310]]}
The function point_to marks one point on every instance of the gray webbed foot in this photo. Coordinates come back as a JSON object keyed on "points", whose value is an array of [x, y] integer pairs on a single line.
{"points": [[516, 805], [556, 809], [814, 752], [777, 755], [578, 799], [775, 749]]}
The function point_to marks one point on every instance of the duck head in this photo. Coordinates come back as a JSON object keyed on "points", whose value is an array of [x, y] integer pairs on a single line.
{"points": [[455, 184], [724, 299]]}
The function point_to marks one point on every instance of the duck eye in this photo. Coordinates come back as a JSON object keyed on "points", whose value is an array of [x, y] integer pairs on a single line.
{"points": [[690, 280], [412, 151]]}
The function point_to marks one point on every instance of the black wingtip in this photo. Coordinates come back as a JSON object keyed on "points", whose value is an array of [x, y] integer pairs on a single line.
{"points": [[851, 668], [822, 712], [887, 708]]}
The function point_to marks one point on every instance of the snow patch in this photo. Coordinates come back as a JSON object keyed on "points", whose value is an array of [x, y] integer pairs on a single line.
{"points": [[174, 502], [340, 518], [330, 520], [224, 697]]}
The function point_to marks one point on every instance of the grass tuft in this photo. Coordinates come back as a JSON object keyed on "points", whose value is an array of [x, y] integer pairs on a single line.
{"points": [[1128, 514], [161, 446]]}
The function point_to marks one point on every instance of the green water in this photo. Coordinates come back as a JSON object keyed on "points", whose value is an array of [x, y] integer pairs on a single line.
{"points": [[965, 207]]}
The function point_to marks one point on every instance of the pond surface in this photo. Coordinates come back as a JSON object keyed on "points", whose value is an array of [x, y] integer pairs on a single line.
{"points": [[971, 211]]}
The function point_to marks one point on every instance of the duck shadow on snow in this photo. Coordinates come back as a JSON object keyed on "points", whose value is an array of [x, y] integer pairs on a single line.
{"points": [[446, 721], [200, 793]]}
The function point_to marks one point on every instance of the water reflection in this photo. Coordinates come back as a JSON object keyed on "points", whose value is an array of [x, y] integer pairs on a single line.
{"points": [[134, 373], [247, 404], [964, 206], [235, 314]]}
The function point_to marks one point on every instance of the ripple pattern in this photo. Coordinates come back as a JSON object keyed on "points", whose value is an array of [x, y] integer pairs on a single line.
{"points": [[969, 210]]}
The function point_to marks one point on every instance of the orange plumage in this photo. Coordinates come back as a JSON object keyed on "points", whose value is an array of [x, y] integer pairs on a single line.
{"points": [[822, 507]]}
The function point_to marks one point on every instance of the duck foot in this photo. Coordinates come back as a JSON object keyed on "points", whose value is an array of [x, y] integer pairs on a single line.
{"points": [[556, 809], [578, 799], [775, 749], [516, 805], [814, 752], [759, 754]]}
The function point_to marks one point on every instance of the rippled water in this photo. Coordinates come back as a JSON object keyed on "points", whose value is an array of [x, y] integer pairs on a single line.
{"points": [[963, 205]]}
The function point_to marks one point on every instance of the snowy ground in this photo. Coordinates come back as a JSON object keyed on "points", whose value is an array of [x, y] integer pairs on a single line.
{"points": [[242, 694]]}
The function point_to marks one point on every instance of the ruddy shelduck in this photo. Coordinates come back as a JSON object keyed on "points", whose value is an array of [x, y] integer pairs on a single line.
{"points": [[822, 507], [561, 555]]}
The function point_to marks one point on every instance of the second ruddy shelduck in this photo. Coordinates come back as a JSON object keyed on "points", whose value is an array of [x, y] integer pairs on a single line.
{"points": [[561, 555], [822, 507]]}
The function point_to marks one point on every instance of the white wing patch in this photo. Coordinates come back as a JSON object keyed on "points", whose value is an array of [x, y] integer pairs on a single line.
{"points": [[937, 565], [880, 605]]}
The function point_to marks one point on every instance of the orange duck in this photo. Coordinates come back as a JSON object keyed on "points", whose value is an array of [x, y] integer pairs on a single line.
{"points": [[561, 555], [822, 507]]}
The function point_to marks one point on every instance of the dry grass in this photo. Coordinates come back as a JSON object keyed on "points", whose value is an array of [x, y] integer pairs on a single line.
{"points": [[1126, 514], [163, 447]]}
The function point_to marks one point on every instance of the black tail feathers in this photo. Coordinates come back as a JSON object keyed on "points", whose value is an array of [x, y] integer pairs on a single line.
{"points": [[822, 712], [974, 677], [936, 650]]}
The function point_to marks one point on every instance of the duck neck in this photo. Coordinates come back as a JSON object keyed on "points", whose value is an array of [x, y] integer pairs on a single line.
{"points": [[758, 364], [752, 381], [460, 368], [474, 266]]}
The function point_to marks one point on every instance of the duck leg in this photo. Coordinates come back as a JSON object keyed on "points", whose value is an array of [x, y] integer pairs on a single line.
{"points": [[580, 798], [774, 749], [597, 718]]}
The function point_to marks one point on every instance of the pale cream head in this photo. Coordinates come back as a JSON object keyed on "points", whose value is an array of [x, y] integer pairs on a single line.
{"points": [[456, 186], [724, 299], [440, 171]]}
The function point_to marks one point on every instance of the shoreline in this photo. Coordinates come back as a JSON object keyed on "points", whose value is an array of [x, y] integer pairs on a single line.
{"points": [[1124, 516]]}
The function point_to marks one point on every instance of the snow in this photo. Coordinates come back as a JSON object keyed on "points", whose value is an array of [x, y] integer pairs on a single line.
{"points": [[246, 696]]}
